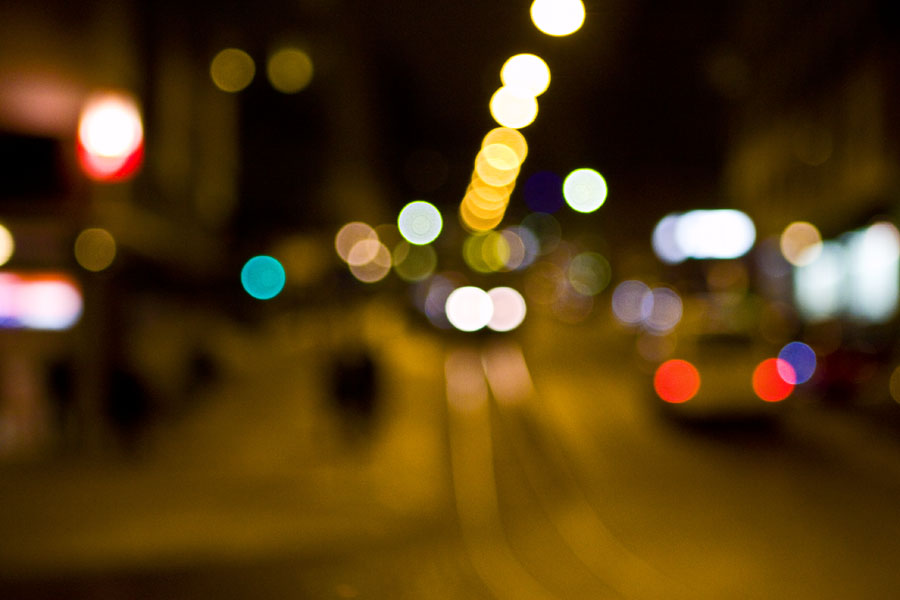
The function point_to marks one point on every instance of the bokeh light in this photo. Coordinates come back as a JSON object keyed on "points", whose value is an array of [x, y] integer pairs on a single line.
{"points": [[419, 222], [363, 252], [263, 277], [95, 249], [509, 309], [665, 242], [557, 17], [7, 245], [628, 304], [894, 384], [584, 190], [289, 70], [521, 239], [546, 229], [589, 273], [370, 261], [349, 234], [715, 234], [414, 262], [819, 285], [661, 309], [802, 360], [51, 301], [110, 143], [513, 108], [473, 255], [543, 192], [676, 381], [232, 70], [435, 292], [873, 272], [516, 250], [473, 221], [526, 72], [497, 165], [509, 137], [469, 308], [771, 379], [801, 243]]}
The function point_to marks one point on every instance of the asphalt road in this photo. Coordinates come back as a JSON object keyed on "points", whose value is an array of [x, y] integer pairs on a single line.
{"points": [[532, 466]]}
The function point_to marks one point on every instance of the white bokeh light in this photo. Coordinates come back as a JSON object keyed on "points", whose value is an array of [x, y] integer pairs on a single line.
{"points": [[628, 301], [527, 72], [419, 222], [110, 126], [469, 308], [557, 17], [509, 309], [513, 108], [719, 234], [584, 190]]}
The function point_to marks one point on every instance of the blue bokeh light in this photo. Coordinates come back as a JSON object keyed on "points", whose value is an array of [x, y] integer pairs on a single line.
{"points": [[802, 358], [543, 192]]}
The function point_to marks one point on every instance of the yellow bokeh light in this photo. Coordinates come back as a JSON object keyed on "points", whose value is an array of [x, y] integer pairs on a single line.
{"points": [[7, 245], [473, 253], [513, 108], [414, 262], [801, 243], [289, 70], [894, 384], [509, 137], [474, 222], [487, 197], [232, 70], [495, 251], [500, 157], [526, 72], [477, 209], [496, 165], [95, 249], [557, 17]]}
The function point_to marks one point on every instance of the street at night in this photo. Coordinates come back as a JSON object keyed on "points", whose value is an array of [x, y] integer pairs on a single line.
{"points": [[556, 299]]}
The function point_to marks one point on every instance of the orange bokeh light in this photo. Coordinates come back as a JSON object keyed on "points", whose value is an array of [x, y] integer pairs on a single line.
{"points": [[676, 381], [769, 382]]}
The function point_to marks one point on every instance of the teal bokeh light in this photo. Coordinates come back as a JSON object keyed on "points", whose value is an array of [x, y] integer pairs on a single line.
{"points": [[263, 277]]}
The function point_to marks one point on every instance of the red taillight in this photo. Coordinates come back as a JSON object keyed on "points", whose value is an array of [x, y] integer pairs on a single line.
{"points": [[773, 379], [676, 381]]}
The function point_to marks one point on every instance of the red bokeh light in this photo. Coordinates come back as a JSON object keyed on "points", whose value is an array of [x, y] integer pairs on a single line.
{"points": [[772, 379], [107, 168], [110, 139], [676, 381]]}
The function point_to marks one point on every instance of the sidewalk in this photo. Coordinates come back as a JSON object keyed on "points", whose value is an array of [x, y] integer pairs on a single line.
{"points": [[258, 468]]}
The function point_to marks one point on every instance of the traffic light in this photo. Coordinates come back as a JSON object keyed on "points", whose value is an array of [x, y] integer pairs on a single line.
{"points": [[110, 141]]}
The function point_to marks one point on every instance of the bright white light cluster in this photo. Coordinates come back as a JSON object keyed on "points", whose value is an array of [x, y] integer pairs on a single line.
{"points": [[703, 234], [38, 301], [470, 308], [857, 275]]}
